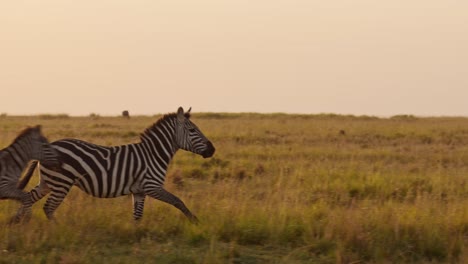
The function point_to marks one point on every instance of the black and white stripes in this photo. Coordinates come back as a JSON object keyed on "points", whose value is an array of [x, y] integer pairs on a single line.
{"points": [[29, 145], [138, 169]]}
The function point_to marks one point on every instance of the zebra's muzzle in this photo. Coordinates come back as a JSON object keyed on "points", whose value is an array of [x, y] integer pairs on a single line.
{"points": [[209, 151]]}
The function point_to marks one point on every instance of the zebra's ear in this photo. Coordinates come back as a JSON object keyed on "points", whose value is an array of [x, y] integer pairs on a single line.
{"points": [[180, 114]]}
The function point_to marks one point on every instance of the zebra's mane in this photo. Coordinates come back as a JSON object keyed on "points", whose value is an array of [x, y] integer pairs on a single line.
{"points": [[26, 132], [165, 118]]}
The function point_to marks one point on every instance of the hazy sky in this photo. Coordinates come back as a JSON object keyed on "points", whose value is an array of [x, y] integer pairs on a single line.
{"points": [[298, 56]]}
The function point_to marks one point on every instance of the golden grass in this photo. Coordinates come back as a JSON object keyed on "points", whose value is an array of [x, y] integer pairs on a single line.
{"points": [[280, 189]]}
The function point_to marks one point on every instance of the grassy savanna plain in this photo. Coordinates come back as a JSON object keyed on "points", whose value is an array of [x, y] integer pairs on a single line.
{"points": [[280, 189]]}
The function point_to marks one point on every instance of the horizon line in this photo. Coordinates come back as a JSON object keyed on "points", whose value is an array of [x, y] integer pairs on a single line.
{"points": [[401, 115]]}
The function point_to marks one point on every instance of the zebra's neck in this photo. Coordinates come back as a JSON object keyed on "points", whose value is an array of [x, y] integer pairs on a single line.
{"points": [[159, 141], [21, 152]]}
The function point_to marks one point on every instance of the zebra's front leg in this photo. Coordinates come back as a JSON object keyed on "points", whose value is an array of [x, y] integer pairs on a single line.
{"points": [[28, 199], [161, 194], [9, 190], [138, 205]]}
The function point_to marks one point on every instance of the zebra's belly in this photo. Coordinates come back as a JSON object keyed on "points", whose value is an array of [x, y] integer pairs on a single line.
{"points": [[102, 192], [102, 185], [98, 183]]}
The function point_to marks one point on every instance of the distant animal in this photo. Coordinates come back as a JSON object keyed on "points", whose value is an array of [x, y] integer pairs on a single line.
{"points": [[126, 114], [30, 144], [342, 132], [138, 169]]}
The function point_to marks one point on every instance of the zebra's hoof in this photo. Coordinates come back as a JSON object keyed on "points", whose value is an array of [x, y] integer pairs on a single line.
{"points": [[19, 220], [194, 220]]}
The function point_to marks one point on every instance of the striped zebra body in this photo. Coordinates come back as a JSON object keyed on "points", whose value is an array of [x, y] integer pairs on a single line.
{"points": [[29, 145], [138, 169], [103, 172]]}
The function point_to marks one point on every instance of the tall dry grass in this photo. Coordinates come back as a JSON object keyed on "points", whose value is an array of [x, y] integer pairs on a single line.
{"points": [[280, 189]]}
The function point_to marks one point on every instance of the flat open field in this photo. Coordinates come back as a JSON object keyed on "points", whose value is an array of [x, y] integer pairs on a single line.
{"points": [[279, 189]]}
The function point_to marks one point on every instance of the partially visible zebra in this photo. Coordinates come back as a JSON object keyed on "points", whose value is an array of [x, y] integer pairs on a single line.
{"points": [[30, 144], [138, 169]]}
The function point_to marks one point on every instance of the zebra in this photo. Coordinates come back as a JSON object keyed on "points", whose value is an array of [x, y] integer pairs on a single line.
{"points": [[30, 144], [138, 169]]}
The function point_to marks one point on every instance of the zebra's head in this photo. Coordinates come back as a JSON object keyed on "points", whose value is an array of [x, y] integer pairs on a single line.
{"points": [[189, 137], [39, 147]]}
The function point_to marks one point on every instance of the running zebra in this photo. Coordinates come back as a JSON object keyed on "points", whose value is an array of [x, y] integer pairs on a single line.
{"points": [[138, 169], [30, 144]]}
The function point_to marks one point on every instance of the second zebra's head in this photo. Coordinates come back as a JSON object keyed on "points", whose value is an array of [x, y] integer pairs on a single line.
{"points": [[190, 138], [39, 148]]}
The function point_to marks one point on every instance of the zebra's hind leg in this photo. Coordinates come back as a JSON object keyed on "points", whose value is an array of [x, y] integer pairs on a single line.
{"points": [[55, 199], [138, 205], [161, 194]]}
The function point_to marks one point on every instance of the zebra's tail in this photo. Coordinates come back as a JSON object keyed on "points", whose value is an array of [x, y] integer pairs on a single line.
{"points": [[28, 174]]}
